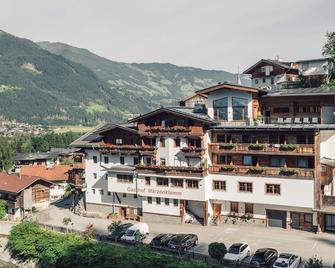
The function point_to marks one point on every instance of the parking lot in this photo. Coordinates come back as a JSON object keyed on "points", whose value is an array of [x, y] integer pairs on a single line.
{"points": [[301, 243]]}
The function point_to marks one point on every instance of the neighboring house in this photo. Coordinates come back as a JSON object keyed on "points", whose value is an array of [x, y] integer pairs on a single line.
{"points": [[251, 156], [58, 175], [22, 193], [277, 74], [195, 100], [36, 159]]}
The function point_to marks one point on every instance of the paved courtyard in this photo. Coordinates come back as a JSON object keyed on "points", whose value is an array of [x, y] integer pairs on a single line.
{"points": [[302, 243]]}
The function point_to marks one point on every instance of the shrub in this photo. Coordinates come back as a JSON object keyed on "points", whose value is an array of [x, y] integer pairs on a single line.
{"points": [[3, 206], [256, 170], [288, 171], [256, 146], [115, 227], [288, 147], [227, 146], [217, 250]]}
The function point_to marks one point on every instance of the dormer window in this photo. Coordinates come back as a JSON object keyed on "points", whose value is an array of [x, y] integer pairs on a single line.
{"points": [[221, 109]]}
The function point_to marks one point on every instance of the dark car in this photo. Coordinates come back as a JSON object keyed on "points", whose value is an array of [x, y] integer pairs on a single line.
{"points": [[161, 240], [264, 257], [116, 235], [182, 242]]}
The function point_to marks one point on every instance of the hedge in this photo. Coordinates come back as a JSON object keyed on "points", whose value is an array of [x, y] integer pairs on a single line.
{"points": [[28, 241]]}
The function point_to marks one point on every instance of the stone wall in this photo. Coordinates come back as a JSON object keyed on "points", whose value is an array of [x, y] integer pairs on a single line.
{"points": [[6, 226], [148, 217]]}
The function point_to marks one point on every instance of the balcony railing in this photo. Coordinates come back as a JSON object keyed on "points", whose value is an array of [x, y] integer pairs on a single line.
{"points": [[296, 149], [281, 120], [172, 170], [171, 130], [191, 151], [328, 201], [262, 171], [126, 149]]}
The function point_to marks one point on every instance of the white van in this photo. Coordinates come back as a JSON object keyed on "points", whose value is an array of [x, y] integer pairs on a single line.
{"points": [[135, 233]]}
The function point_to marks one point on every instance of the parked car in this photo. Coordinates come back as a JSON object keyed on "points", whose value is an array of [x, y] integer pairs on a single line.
{"points": [[264, 257], [136, 233], [161, 240], [286, 260], [237, 252], [182, 242], [117, 234]]}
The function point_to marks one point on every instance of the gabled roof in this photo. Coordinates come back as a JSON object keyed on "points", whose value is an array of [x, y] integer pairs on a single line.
{"points": [[34, 156], [178, 110], [282, 65], [192, 96], [56, 173], [115, 126], [315, 91], [228, 86], [13, 183]]}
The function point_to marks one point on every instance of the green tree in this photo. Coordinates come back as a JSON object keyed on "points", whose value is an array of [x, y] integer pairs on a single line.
{"points": [[3, 208], [217, 250], [67, 221], [6, 154], [115, 227], [328, 50]]}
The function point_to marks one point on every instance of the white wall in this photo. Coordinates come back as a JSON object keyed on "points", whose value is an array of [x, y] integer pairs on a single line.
{"points": [[294, 192], [229, 94], [327, 147], [171, 209]]}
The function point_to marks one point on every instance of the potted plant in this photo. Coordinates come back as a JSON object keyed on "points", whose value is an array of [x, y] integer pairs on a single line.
{"points": [[227, 168], [288, 147], [227, 146], [288, 171], [256, 170], [256, 146]]}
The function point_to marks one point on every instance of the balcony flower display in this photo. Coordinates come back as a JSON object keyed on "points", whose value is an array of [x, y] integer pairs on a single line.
{"points": [[227, 146], [256, 170], [288, 147], [227, 168], [256, 146], [288, 171]]}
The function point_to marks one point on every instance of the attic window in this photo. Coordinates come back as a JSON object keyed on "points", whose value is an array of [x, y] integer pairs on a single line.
{"points": [[118, 141]]}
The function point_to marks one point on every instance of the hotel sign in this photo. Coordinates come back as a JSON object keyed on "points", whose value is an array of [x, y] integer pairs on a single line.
{"points": [[153, 191]]}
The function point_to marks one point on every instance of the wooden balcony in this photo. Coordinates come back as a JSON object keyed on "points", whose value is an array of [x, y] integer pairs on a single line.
{"points": [[193, 152], [108, 148], [177, 130], [172, 170], [328, 200], [262, 149], [262, 171]]}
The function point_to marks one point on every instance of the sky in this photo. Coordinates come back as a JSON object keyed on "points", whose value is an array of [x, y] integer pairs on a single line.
{"points": [[226, 35]]}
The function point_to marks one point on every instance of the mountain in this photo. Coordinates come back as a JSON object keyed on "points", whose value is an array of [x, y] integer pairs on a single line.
{"points": [[159, 83], [54, 83]]}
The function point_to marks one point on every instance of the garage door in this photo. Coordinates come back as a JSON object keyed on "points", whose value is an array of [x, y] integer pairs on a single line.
{"points": [[330, 223], [276, 218]]}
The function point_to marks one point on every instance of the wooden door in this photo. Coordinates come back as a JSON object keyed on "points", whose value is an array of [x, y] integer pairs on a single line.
{"points": [[234, 207]]}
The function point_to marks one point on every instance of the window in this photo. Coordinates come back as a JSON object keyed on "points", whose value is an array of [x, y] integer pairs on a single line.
{"points": [[177, 142], [162, 181], [264, 79], [308, 218], [224, 159], [147, 180], [272, 188], [302, 163], [194, 142], [95, 175], [148, 160], [102, 192], [177, 183], [219, 185], [175, 202], [135, 196], [122, 160], [109, 193], [192, 184], [123, 178], [281, 110], [136, 161], [223, 138], [256, 81], [93, 191], [245, 187], [158, 200], [95, 159], [124, 195], [167, 201], [305, 139], [221, 109], [106, 159], [106, 177], [247, 160], [118, 141], [162, 142], [272, 81], [163, 161], [149, 200], [249, 208], [240, 109], [234, 207], [277, 161]]}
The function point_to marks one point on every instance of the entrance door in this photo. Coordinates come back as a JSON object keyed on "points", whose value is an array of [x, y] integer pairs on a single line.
{"points": [[123, 212], [276, 218], [267, 118], [217, 210], [330, 223], [295, 217]]}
